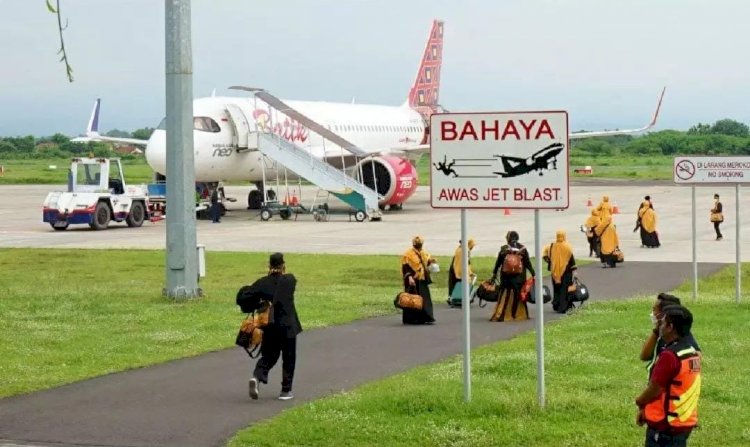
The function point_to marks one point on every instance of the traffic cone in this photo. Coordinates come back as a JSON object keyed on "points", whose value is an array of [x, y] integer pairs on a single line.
{"points": [[506, 212], [589, 202], [615, 209]]}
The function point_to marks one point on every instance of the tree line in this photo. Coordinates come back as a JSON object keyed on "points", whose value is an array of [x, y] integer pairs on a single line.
{"points": [[724, 137], [60, 146]]}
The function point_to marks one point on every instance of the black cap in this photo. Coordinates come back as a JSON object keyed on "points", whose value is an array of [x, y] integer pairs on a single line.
{"points": [[276, 260]]}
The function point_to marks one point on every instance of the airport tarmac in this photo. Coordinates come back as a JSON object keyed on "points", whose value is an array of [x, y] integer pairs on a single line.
{"points": [[242, 230]]}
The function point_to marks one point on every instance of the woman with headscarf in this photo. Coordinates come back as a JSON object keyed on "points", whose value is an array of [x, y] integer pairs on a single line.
{"points": [[511, 266], [608, 242], [647, 224], [589, 226], [414, 270], [562, 266], [454, 273], [604, 208]]}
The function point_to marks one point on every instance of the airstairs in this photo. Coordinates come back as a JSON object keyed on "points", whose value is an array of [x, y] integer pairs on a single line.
{"points": [[302, 162]]}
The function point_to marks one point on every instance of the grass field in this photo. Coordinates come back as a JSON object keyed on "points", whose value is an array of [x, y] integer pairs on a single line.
{"points": [[592, 377], [38, 172], [137, 171], [620, 167], [69, 315]]}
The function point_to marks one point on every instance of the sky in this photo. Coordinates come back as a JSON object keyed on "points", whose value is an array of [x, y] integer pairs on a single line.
{"points": [[605, 62]]}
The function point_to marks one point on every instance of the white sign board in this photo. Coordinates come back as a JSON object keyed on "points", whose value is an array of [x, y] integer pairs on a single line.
{"points": [[499, 160], [691, 170]]}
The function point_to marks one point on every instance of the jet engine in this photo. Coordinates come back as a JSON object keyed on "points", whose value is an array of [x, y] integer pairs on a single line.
{"points": [[394, 178]]}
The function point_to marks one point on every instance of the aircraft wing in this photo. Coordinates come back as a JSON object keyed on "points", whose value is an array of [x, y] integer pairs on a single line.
{"points": [[92, 131], [606, 133]]}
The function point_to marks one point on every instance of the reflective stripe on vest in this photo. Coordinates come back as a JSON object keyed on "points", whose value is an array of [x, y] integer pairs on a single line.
{"points": [[678, 403]]}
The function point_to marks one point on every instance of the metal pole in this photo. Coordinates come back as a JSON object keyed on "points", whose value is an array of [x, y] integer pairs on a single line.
{"points": [[539, 309], [738, 274], [465, 306], [695, 249], [182, 256]]}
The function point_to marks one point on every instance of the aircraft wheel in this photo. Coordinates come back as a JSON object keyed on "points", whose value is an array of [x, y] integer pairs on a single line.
{"points": [[136, 216], [265, 214], [285, 213], [360, 216], [254, 200], [102, 216], [52, 224]]}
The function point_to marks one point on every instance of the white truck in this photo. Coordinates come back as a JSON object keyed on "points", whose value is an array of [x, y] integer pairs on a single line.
{"points": [[96, 195]]}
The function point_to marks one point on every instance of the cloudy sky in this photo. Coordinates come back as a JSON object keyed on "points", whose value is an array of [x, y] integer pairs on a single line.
{"points": [[603, 61]]}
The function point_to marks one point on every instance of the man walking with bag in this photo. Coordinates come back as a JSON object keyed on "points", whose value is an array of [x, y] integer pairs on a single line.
{"points": [[280, 336]]}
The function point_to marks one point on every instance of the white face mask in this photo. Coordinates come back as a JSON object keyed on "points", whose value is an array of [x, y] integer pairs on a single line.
{"points": [[654, 320]]}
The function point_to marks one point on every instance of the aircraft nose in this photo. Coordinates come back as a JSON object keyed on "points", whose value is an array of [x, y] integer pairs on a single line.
{"points": [[156, 151]]}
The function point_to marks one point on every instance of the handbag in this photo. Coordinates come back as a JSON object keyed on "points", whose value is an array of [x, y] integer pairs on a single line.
{"points": [[717, 217], [619, 255], [487, 292], [250, 336], [579, 291], [406, 300], [547, 296], [526, 289]]}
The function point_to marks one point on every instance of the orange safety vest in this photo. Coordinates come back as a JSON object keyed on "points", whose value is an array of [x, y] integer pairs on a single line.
{"points": [[678, 403]]}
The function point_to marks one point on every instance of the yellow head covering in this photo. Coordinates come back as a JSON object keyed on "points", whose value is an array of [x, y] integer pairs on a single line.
{"points": [[560, 253], [417, 240]]}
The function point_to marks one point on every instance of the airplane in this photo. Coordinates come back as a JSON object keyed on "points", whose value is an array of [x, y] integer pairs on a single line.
{"points": [[387, 139], [540, 160]]}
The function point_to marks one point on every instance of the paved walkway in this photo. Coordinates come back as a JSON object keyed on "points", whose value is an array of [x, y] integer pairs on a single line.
{"points": [[202, 401]]}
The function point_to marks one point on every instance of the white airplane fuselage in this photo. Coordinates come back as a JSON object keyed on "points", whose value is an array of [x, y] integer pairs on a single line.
{"points": [[372, 128]]}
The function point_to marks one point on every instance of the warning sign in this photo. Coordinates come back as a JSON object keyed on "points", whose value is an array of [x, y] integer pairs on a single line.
{"points": [[499, 160], [692, 170]]}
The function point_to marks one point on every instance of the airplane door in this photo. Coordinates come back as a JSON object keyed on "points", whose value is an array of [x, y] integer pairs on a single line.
{"points": [[241, 126]]}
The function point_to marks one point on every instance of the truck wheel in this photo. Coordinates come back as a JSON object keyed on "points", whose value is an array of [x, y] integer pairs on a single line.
{"points": [[52, 224], [102, 216], [136, 215], [265, 214]]}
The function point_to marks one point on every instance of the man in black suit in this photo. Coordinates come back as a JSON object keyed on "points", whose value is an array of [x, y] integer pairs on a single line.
{"points": [[280, 336]]}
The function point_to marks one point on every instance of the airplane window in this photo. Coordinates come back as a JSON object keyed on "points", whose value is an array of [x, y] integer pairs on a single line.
{"points": [[205, 124]]}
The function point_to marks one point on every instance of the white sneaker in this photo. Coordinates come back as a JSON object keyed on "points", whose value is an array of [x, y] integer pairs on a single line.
{"points": [[253, 388], [286, 395]]}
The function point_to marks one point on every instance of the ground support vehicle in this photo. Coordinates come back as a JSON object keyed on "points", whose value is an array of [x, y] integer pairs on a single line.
{"points": [[96, 195]]}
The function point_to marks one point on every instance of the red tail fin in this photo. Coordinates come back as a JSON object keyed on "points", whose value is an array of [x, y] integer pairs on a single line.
{"points": [[423, 96]]}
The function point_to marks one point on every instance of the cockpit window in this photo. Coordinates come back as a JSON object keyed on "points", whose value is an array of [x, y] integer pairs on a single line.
{"points": [[205, 124]]}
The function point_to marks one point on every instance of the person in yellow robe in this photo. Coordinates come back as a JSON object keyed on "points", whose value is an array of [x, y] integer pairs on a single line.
{"points": [[646, 221], [588, 229], [415, 271], [454, 274], [609, 242], [562, 267], [604, 208]]}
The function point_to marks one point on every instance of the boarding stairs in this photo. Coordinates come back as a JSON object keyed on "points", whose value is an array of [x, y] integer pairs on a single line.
{"points": [[348, 189]]}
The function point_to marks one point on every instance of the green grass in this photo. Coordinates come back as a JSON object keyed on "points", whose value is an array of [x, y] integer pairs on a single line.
{"points": [[652, 167], [38, 172], [592, 377], [69, 315]]}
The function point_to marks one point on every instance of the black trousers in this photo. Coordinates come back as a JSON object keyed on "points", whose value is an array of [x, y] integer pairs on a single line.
{"points": [[215, 212], [716, 228], [275, 343], [661, 439]]}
